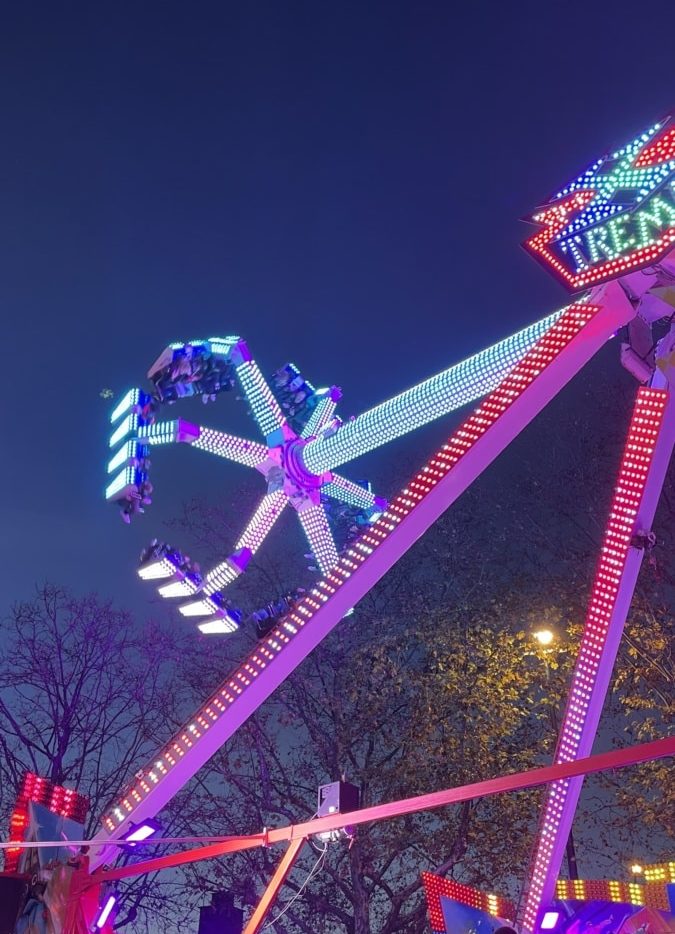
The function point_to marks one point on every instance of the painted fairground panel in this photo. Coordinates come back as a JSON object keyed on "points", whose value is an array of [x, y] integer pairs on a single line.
{"points": [[617, 216]]}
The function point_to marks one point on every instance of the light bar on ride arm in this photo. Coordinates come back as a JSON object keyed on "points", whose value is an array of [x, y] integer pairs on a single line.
{"points": [[317, 530], [346, 491], [241, 450], [460, 384], [259, 396], [599, 645], [322, 414], [502, 414]]}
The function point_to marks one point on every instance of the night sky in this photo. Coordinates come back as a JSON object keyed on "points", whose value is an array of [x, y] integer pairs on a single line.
{"points": [[339, 183]]}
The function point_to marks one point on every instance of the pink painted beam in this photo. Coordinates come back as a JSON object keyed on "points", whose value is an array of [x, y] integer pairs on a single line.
{"points": [[275, 883], [573, 338], [646, 456], [517, 781]]}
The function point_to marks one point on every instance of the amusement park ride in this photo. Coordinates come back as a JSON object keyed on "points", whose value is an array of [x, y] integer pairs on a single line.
{"points": [[610, 232]]}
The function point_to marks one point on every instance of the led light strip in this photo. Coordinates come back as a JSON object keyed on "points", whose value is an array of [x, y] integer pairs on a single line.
{"points": [[160, 432], [651, 895], [128, 401], [250, 453], [269, 509], [321, 416], [460, 384], [436, 887], [348, 492], [319, 536], [264, 406], [564, 329], [578, 729]]}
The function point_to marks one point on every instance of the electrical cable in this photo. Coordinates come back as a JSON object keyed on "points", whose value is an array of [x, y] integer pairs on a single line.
{"points": [[311, 874]]}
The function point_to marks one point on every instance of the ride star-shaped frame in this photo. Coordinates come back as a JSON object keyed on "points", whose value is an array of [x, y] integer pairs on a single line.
{"points": [[298, 466]]}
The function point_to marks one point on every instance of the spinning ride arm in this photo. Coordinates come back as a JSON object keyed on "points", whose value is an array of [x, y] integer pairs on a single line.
{"points": [[316, 527], [572, 338], [346, 491], [239, 450], [435, 397], [260, 525], [264, 406]]}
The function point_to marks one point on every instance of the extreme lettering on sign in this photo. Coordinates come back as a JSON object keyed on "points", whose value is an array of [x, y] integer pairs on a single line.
{"points": [[617, 216]]}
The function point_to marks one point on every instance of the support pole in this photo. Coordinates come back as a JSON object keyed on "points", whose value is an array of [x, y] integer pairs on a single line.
{"points": [[517, 781], [275, 883], [641, 476]]}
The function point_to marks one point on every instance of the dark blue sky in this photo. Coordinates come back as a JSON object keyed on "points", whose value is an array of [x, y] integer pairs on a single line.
{"points": [[339, 183]]}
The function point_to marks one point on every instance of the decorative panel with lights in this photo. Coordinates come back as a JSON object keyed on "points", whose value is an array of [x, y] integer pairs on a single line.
{"points": [[617, 216], [436, 887], [59, 800], [651, 895]]}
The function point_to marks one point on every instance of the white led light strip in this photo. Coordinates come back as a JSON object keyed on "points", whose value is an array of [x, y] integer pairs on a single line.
{"points": [[460, 384]]}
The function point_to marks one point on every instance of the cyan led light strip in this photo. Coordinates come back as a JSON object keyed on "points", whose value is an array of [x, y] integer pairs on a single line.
{"points": [[261, 523], [429, 400], [348, 492], [264, 406]]}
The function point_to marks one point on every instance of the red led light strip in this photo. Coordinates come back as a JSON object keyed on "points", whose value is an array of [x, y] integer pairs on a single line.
{"points": [[651, 894], [547, 349], [436, 887], [58, 800], [662, 149], [643, 433]]}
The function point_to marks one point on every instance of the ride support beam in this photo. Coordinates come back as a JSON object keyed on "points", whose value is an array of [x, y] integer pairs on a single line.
{"points": [[647, 453], [267, 900], [517, 781]]}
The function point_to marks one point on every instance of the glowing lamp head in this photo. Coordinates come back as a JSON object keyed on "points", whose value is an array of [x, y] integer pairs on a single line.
{"points": [[105, 912], [139, 832], [636, 869], [550, 920], [544, 636]]}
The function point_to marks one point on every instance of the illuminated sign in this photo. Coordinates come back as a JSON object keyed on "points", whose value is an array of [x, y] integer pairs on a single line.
{"points": [[617, 216]]}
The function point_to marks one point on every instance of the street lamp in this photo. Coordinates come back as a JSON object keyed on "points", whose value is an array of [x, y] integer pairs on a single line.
{"points": [[546, 637]]}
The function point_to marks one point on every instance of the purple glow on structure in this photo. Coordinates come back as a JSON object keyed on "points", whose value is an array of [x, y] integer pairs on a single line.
{"points": [[104, 914], [142, 831]]}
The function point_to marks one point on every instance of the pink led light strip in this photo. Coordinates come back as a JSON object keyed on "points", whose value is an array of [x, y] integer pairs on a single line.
{"points": [[268, 511], [596, 654], [488, 413]]}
